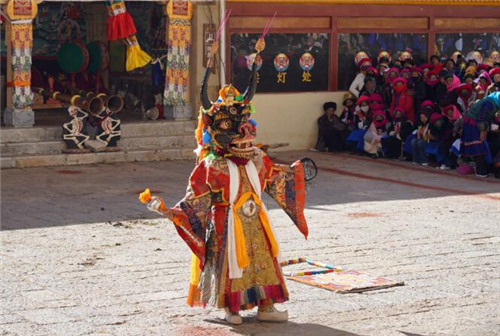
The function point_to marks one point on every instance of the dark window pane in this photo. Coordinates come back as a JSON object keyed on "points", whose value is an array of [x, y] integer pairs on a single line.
{"points": [[291, 62], [466, 44], [373, 44]]}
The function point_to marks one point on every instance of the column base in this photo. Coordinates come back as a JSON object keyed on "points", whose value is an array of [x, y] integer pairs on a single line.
{"points": [[19, 118], [178, 112]]}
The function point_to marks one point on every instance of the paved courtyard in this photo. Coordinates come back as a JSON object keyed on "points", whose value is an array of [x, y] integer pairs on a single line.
{"points": [[81, 256]]}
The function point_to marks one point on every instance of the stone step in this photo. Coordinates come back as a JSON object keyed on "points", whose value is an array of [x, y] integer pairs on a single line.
{"points": [[28, 148], [159, 142], [136, 129], [34, 134], [45, 160], [157, 128]]}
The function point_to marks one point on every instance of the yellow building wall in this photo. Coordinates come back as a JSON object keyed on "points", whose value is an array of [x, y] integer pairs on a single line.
{"points": [[291, 117]]}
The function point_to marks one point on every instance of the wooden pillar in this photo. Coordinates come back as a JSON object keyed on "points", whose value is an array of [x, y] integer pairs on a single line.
{"points": [[19, 40]]}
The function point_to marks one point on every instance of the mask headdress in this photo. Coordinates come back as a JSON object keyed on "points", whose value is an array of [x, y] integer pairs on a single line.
{"points": [[224, 126]]}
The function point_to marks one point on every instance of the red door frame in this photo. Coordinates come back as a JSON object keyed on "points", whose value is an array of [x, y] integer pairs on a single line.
{"points": [[334, 11]]}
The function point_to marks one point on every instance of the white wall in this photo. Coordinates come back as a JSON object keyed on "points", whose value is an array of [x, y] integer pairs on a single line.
{"points": [[291, 117]]}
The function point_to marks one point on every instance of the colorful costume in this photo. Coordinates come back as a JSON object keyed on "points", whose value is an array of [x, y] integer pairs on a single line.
{"points": [[222, 217]]}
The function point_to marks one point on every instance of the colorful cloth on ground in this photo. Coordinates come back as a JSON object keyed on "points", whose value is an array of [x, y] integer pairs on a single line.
{"points": [[21, 39], [201, 219], [121, 26], [179, 45]]}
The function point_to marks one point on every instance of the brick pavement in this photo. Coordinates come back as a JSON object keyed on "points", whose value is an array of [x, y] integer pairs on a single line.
{"points": [[81, 256]]}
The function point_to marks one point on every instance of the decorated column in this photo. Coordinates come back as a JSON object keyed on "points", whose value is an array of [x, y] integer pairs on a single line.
{"points": [[19, 40], [176, 95]]}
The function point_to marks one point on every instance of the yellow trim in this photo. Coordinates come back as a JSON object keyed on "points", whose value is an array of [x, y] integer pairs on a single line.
{"points": [[241, 251], [194, 278], [495, 3]]}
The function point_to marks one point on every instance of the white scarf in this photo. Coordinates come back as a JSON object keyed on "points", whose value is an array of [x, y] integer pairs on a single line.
{"points": [[235, 272]]}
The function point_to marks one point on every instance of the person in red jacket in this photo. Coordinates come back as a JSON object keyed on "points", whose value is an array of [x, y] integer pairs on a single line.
{"points": [[402, 98]]}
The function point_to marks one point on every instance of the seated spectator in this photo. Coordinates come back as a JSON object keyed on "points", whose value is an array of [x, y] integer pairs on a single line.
{"points": [[376, 102], [439, 141], [373, 137], [358, 82], [455, 123], [419, 87], [469, 79], [399, 130], [450, 97], [495, 77], [425, 69], [405, 73], [332, 132], [419, 143], [450, 66], [387, 90], [442, 98], [436, 63], [483, 82], [466, 97], [370, 86], [362, 121], [432, 85], [348, 115], [402, 98]]}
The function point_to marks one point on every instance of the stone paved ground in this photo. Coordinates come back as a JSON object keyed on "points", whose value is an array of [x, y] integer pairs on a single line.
{"points": [[81, 256]]}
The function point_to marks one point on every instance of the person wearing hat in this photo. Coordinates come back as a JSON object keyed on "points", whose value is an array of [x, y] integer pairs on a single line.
{"points": [[390, 75], [399, 130], [431, 85], [419, 143], [439, 141], [373, 136], [419, 88], [495, 80], [371, 86], [402, 98], [359, 81], [466, 97], [348, 115], [450, 98], [483, 83], [331, 131]]}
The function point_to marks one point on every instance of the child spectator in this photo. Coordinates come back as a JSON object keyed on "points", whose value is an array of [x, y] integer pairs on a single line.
{"points": [[373, 137]]}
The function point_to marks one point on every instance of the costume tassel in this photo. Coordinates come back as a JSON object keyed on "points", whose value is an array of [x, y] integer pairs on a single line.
{"points": [[136, 57], [121, 26]]}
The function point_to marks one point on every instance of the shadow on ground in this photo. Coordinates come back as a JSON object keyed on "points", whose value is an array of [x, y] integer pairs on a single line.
{"points": [[56, 196], [251, 327]]}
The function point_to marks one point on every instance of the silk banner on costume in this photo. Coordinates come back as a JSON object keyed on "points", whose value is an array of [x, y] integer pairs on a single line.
{"points": [[21, 46], [121, 26], [179, 45]]}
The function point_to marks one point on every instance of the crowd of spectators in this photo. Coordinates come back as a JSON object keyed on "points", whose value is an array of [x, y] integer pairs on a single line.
{"points": [[439, 114]]}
